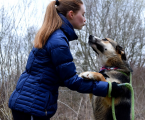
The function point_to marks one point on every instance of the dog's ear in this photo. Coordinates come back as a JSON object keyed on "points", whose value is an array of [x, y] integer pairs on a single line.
{"points": [[120, 51]]}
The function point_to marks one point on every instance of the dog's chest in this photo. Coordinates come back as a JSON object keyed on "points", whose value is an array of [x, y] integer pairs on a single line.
{"points": [[110, 76]]}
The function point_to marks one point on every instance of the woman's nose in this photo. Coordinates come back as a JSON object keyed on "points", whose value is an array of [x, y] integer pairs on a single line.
{"points": [[85, 20]]}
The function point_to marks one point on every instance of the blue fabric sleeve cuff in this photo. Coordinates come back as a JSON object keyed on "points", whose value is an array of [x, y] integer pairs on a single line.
{"points": [[87, 86], [100, 88]]}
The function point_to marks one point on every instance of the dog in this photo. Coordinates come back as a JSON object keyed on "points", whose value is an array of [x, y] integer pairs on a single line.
{"points": [[116, 69]]}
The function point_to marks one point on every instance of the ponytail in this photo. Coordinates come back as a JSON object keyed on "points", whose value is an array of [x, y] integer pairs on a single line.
{"points": [[52, 20]]}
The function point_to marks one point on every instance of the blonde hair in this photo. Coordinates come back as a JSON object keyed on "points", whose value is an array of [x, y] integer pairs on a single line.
{"points": [[52, 20]]}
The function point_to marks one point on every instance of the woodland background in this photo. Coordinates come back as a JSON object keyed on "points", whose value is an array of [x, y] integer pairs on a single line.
{"points": [[121, 20]]}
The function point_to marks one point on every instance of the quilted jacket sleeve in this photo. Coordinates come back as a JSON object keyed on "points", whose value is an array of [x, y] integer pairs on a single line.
{"points": [[66, 70]]}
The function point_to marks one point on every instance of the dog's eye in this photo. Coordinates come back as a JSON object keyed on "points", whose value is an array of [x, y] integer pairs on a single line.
{"points": [[105, 39]]}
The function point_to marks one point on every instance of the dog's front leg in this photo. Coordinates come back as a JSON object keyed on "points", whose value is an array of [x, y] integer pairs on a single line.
{"points": [[93, 76], [98, 77]]}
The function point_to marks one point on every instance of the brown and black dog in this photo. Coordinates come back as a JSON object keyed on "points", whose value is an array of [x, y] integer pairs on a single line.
{"points": [[111, 55]]}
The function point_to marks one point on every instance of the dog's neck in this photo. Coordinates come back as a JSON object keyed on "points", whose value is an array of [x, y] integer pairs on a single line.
{"points": [[108, 68], [116, 62]]}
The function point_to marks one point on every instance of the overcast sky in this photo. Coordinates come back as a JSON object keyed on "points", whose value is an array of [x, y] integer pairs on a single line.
{"points": [[27, 13]]}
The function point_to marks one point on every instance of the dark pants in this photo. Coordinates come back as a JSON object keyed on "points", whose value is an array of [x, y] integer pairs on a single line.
{"points": [[17, 115]]}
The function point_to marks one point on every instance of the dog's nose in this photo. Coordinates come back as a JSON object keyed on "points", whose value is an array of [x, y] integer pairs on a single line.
{"points": [[90, 37]]}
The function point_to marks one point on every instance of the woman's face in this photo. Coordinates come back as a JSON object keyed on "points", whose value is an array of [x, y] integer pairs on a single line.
{"points": [[77, 19]]}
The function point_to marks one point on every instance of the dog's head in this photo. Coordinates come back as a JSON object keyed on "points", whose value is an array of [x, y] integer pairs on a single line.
{"points": [[106, 48]]}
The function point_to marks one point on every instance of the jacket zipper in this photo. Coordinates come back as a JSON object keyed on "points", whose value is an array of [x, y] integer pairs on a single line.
{"points": [[45, 112], [47, 105]]}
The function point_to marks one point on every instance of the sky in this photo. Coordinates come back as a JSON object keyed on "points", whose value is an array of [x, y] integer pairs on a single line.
{"points": [[27, 13]]}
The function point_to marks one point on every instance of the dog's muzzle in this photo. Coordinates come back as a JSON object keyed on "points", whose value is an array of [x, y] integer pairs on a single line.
{"points": [[93, 39]]}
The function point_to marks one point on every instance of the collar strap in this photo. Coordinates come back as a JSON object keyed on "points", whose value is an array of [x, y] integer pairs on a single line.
{"points": [[108, 68], [112, 68]]}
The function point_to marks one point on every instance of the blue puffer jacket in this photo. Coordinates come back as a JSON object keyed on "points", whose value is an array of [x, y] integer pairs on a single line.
{"points": [[47, 69]]}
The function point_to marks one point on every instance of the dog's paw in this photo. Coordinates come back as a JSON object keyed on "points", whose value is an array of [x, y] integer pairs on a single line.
{"points": [[92, 76], [86, 75]]}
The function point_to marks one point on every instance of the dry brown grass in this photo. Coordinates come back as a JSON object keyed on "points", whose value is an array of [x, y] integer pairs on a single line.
{"points": [[73, 105]]}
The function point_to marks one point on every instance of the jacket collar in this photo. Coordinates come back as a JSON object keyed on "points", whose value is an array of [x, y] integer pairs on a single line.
{"points": [[68, 29]]}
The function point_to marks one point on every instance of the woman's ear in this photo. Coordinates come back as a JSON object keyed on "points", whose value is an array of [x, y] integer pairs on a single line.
{"points": [[70, 15]]}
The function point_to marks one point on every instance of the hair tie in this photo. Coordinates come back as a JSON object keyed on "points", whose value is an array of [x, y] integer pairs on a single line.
{"points": [[57, 2]]}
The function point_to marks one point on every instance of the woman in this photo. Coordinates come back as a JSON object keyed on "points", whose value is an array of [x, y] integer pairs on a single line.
{"points": [[50, 64]]}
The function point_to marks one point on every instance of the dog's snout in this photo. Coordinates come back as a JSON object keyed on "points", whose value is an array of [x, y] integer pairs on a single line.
{"points": [[90, 37], [93, 39]]}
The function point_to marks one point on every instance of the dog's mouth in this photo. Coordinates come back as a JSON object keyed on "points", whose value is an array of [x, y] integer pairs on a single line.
{"points": [[94, 42], [95, 51]]}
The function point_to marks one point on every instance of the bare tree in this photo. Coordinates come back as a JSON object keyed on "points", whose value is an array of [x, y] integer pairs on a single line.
{"points": [[15, 46], [123, 21], [120, 20]]}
